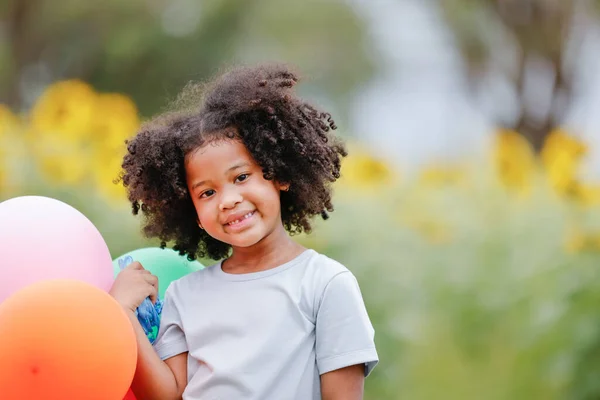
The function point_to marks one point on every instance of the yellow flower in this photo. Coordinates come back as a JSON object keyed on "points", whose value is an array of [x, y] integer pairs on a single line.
{"points": [[116, 119], [77, 133], [575, 242], [578, 241], [432, 229], [61, 160], [66, 109], [440, 175], [561, 157], [361, 170], [63, 170], [105, 169], [514, 160], [586, 194]]}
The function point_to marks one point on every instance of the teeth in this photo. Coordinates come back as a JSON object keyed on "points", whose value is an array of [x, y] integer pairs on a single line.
{"points": [[244, 217]]}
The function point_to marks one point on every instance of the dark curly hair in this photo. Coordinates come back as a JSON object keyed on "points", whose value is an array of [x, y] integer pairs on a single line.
{"points": [[289, 138]]}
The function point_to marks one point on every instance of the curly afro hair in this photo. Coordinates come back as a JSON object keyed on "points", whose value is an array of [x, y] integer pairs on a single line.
{"points": [[290, 139]]}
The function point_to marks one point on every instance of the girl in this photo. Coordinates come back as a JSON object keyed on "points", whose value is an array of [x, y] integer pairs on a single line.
{"points": [[226, 180]]}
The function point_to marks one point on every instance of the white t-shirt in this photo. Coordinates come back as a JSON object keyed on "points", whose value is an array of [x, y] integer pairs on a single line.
{"points": [[269, 334]]}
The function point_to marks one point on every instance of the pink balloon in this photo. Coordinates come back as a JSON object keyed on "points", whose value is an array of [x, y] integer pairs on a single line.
{"points": [[43, 238]]}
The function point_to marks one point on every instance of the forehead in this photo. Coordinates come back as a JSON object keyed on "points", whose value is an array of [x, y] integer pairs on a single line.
{"points": [[217, 156]]}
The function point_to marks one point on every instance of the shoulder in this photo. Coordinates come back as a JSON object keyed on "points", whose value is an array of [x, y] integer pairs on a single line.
{"points": [[323, 274], [324, 268]]}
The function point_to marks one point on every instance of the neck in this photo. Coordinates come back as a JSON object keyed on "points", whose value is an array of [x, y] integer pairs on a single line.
{"points": [[273, 250]]}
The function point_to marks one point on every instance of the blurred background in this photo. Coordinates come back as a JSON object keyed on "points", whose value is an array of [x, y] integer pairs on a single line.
{"points": [[469, 207]]}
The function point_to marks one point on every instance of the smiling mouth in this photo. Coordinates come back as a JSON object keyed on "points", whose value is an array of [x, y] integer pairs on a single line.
{"points": [[239, 220]]}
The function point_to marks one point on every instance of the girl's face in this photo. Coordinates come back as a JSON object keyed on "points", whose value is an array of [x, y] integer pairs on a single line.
{"points": [[234, 203]]}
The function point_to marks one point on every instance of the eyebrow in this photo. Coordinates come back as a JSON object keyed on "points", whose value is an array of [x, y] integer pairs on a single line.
{"points": [[236, 166]]}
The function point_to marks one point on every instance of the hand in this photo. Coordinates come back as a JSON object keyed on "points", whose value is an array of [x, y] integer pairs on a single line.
{"points": [[133, 285]]}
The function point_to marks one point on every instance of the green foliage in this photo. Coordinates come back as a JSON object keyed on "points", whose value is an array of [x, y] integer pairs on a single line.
{"points": [[499, 311], [139, 48]]}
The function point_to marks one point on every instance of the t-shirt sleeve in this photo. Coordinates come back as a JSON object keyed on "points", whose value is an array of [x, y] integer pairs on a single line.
{"points": [[344, 333], [171, 339]]}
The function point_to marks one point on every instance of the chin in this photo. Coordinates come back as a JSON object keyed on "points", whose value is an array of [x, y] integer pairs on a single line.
{"points": [[239, 240], [248, 241], [244, 243]]}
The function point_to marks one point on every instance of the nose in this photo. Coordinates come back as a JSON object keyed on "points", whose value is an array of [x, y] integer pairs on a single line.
{"points": [[229, 199]]}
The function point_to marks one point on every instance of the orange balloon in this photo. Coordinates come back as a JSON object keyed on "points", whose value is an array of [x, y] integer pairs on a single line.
{"points": [[65, 339]]}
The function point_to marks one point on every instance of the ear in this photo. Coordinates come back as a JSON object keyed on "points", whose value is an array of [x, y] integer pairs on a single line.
{"points": [[284, 187]]}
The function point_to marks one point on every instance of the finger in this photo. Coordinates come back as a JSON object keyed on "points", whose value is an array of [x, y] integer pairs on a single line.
{"points": [[151, 279], [153, 295], [154, 282], [135, 266]]}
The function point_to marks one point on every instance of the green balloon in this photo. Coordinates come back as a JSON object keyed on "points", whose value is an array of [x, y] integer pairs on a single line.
{"points": [[166, 264]]}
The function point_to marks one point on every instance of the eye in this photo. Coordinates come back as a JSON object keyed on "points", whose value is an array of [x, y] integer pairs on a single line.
{"points": [[207, 193], [242, 177]]}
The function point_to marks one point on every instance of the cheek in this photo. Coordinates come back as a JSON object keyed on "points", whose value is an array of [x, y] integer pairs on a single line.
{"points": [[203, 213], [268, 198]]}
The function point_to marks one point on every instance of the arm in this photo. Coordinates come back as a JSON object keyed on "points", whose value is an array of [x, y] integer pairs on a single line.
{"points": [[344, 383], [154, 378]]}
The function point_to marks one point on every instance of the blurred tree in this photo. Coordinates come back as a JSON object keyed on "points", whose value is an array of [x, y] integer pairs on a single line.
{"points": [[149, 49], [528, 44]]}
